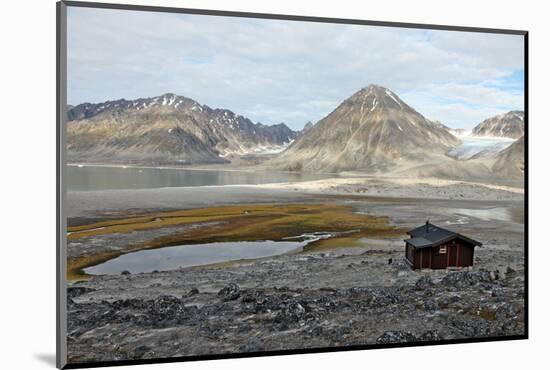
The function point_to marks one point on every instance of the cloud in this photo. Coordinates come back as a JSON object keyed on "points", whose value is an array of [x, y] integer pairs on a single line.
{"points": [[285, 71], [463, 105]]}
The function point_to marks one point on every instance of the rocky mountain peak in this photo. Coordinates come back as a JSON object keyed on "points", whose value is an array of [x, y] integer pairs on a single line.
{"points": [[166, 129], [375, 89], [376, 97], [372, 130], [510, 124]]}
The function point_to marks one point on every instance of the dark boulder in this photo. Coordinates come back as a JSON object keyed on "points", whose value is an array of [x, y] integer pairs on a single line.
{"points": [[430, 305], [140, 351], [230, 292], [76, 291], [430, 335], [468, 278], [396, 337], [424, 282], [193, 292]]}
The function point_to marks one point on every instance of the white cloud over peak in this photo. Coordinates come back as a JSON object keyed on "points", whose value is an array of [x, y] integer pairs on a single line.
{"points": [[285, 71]]}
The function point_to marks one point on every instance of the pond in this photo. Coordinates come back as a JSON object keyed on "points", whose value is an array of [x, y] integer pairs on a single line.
{"points": [[171, 258]]}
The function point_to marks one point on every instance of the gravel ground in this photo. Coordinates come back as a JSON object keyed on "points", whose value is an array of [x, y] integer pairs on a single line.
{"points": [[346, 296]]}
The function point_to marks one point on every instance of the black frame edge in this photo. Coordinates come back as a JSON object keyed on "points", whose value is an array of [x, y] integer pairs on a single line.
{"points": [[61, 7], [61, 97], [288, 352], [526, 180], [287, 17]]}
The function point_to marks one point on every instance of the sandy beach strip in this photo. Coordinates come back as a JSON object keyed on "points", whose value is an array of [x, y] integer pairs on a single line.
{"points": [[432, 188]]}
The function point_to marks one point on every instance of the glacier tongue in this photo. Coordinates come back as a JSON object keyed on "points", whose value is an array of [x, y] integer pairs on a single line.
{"points": [[479, 147]]}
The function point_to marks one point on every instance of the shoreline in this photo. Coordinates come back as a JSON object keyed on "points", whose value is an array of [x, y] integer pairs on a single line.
{"points": [[343, 175], [247, 169], [107, 203], [322, 184]]}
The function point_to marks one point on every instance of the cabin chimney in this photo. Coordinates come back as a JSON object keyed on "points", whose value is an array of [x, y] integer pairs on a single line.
{"points": [[427, 223]]}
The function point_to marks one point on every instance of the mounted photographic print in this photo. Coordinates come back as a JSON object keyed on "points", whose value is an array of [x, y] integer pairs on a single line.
{"points": [[237, 184]]}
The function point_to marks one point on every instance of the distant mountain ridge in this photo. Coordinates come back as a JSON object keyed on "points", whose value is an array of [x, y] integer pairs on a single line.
{"points": [[372, 130], [166, 129], [510, 162], [509, 125]]}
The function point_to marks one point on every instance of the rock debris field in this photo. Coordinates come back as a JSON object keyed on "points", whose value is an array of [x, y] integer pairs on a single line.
{"points": [[343, 298]]}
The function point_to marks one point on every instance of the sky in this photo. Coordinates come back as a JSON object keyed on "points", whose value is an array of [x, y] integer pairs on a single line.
{"points": [[274, 71]]}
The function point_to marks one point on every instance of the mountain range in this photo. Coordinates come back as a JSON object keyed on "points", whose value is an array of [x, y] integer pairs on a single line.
{"points": [[167, 129], [508, 125], [372, 131]]}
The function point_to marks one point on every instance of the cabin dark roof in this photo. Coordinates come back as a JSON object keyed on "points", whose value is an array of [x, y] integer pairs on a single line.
{"points": [[430, 235]]}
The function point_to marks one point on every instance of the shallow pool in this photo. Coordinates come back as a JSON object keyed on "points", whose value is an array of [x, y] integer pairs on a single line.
{"points": [[171, 258]]}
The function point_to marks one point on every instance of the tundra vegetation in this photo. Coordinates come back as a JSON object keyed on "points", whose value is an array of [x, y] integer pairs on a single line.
{"points": [[233, 223]]}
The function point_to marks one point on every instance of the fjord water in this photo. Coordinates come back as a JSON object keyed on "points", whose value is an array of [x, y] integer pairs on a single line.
{"points": [[89, 178], [170, 258]]}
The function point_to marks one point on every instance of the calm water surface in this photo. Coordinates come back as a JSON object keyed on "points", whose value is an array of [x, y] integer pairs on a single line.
{"points": [[88, 178], [171, 258]]}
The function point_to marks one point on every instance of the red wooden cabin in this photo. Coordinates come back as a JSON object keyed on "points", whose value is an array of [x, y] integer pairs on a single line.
{"points": [[432, 247]]}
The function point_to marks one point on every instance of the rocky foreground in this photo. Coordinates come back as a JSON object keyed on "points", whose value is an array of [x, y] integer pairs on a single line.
{"points": [[291, 302]]}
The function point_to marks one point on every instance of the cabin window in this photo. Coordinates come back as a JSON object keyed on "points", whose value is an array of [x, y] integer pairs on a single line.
{"points": [[443, 249]]}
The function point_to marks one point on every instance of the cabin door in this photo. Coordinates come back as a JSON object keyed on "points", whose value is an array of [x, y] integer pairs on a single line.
{"points": [[452, 255]]}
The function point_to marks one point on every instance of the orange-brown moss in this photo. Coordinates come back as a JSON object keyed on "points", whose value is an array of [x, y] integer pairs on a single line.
{"points": [[236, 223]]}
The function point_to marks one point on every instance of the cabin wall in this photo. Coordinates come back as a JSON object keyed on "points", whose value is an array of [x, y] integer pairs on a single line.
{"points": [[455, 251], [440, 260], [462, 254], [416, 261], [458, 254], [466, 255], [409, 253], [422, 258]]}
